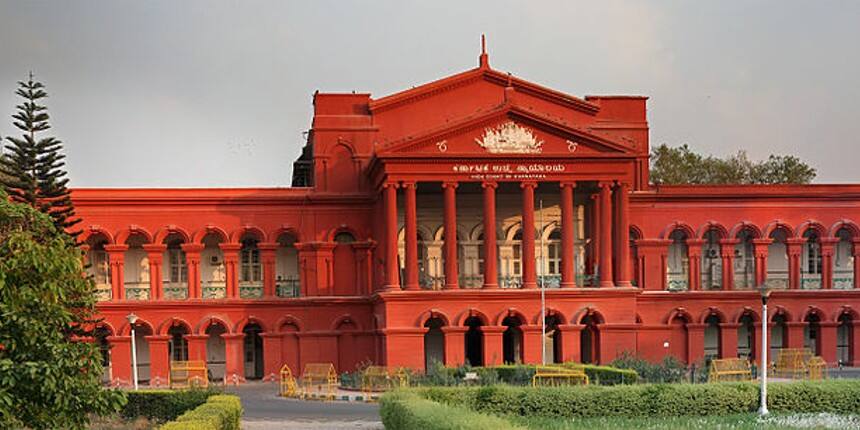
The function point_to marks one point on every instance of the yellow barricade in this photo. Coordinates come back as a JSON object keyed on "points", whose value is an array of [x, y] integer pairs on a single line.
{"points": [[380, 378], [319, 380], [571, 374], [730, 369], [187, 374], [289, 388]]}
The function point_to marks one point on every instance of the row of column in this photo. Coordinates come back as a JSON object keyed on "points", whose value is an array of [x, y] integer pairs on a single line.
{"points": [[608, 221]]}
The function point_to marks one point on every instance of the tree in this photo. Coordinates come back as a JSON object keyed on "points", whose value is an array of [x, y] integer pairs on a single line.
{"points": [[683, 166], [32, 169], [49, 377]]}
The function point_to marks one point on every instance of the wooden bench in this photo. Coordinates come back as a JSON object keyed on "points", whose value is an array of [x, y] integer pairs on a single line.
{"points": [[730, 369], [570, 374], [319, 380], [187, 374], [289, 388]]}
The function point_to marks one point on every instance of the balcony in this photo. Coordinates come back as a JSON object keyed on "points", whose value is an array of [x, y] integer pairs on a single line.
{"points": [[137, 290], [175, 290], [677, 281], [511, 281], [250, 290], [214, 289], [103, 292], [810, 281], [428, 282], [843, 280], [288, 288], [549, 281], [471, 281]]}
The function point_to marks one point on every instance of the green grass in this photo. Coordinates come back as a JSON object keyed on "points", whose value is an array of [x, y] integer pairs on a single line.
{"points": [[728, 422]]}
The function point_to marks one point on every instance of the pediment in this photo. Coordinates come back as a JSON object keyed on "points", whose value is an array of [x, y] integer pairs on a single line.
{"points": [[505, 132]]}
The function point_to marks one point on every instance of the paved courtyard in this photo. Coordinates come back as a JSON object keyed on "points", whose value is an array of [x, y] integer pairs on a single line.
{"points": [[264, 410]]}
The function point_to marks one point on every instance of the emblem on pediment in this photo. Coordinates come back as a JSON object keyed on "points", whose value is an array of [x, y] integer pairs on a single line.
{"points": [[510, 138]]}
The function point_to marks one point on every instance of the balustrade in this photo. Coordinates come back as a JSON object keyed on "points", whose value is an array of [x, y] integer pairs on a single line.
{"points": [[288, 287], [103, 292], [175, 290], [137, 290], [250, 290], [214, 289]]}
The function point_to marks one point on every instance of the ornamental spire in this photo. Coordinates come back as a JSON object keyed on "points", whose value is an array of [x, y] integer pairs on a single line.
{"points": [[484, 59]]}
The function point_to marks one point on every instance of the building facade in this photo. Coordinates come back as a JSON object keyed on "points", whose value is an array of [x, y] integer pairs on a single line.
{"points": [[422, 226]]}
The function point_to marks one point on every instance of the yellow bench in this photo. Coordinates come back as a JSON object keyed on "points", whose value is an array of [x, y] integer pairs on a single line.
{"points": [[729, 369], [570, 374], [186, 374], [380, 378], [319, 380]]}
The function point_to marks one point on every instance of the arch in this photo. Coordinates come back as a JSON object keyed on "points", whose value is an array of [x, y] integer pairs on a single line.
{"points": [[172, 322], [123, 235], [200, 234], [471, 312], [95, 231], [636, 232], [677, 225], [781, 310], [208, 321], [289, 319], [341, 144], [345, 318], [476, 232], [778, 225], [712, 310], [162, 234], [125, 330], [512, 230], [107, 326], [282, 230], [710, 225], [846, 310], [511, 312], [250, 319], [585, 312], [550, 311], [846, 224], [747, 226], [811, 225], [343, 228], [548, 229], [432, 313], [746, 310], [236, 235], [814, 310], [678, 312]]}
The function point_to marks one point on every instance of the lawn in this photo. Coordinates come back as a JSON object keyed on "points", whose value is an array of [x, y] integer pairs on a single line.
{"points": [[728, 422]]}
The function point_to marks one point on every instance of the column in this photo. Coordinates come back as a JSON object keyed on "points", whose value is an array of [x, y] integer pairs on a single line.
{"points": [[116, 259], [455, 342], [234, 371], [795, 334], [450, 247], [760, 250], [267, 258], [392, 264], [568, 254], [729, 340], [653, 254], [491, 250], [695, 342], [155, 253], [528, 254], [827, 331], [592, 219], [532, 344], [272, 360], [411, 222], [694, 259], [727, 253], [364, 265], [120, 360], [570, 342], [623, 234], [605, 234], [493, 353], [827, 245], [159, 360], [192, 260], [231, 266], [794, 245], [854, 345], [196, 346], [855, 252]]}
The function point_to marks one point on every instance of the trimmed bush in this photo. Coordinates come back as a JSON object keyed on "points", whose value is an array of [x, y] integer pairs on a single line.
{"points": [[521, 374], [163, 405], [404, 410], [220, 412], [670, 369]]}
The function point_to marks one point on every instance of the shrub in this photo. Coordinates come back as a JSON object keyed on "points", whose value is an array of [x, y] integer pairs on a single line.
{"points": [[670, 369], [404, 410], [220, 412], [521, 374], [163, 405]]}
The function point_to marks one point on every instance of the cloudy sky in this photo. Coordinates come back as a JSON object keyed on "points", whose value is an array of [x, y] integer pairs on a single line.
{"points": [[218, 93]]}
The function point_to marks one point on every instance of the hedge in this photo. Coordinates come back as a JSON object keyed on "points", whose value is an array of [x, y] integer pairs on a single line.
{"points": [[405, 410], [648, 400], [521, 374], [220, 412], [163, 405]]}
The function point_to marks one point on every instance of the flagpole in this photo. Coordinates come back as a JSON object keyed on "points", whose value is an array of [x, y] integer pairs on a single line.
{"points": [[542, 292]]}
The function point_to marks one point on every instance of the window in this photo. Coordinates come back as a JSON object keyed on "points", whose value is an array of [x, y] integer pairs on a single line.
{"points": [[250, 260], [100, 267], [554, 253], [813, 255], [178, 268], [517, 250]]}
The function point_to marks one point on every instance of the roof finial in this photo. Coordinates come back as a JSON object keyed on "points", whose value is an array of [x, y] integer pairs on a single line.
{"points": [[484, 59]]}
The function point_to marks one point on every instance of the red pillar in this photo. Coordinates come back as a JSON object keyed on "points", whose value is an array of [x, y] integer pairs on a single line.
{"points": [[455, 342], [605, 234], [234, 371], [623, 233], [231, 263], [404, 347], [116, 259], [159, 360], [855, 252], [795, 334], [528, 255], [652, 253], [827, 332], [411, 222], [727, 253], [493, 353], [272, 360], [192, 259], [196, 346], [570, 342], [532, 344], [694, 271], [450, 222], [729, 340], [392, 265], [267, 258], [760, 250], [794, 247], [120, 360], [155, 253], [827, 245], [568, 256], [695, 342], [491, 271]]}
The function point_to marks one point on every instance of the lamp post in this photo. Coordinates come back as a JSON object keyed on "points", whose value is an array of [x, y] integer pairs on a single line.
{"points": [[132, 319], [765, 291]]}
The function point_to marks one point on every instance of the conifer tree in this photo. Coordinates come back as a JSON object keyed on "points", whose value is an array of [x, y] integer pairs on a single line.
{"points": [[32, 169]]}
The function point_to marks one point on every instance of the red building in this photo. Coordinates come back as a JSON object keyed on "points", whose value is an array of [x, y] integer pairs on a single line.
{"points": [[401, 242]]}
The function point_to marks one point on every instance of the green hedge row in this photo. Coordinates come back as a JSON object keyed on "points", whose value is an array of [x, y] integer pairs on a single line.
{"points": [[521, 374], [163, 405], [220, 412], [405, 410], [663, 400]]}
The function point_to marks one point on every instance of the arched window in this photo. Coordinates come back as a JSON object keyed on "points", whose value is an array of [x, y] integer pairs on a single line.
{"points": [[287, 267], [844, 340], [517, 254], [811, 261], [252, 270], [99, 267], [778, 334], [178, 345], [712, 338], [176, 262], [746, 337], [712, 265], [678, 262], [777, 259], [843, 261], [744, 261]]}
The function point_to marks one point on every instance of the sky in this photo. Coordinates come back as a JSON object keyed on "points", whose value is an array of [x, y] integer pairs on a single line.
{"points": [[164, 93]]}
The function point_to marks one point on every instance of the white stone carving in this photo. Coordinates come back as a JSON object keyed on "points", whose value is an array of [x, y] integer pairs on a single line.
{"points": [[510, 138]]}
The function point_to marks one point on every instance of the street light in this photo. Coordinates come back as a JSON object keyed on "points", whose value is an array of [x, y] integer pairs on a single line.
{"points": [[765, 291], [132, 319]]}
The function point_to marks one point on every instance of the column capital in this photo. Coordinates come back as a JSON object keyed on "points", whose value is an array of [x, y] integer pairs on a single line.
{"points": [[729, 242], [492, 329], [390, 184], [267, 246], [454, 329], [409, 184], [157, 338], [116, 248], [230, 247], [528, 184], [605, 184], [196, 336], [490, 184], [622, 185], [762, 242], [192, 247], [450, 184], [152, 248], [565, 184], [695, 242]]}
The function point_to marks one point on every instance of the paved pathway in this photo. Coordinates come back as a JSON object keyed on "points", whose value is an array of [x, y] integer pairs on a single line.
{"points": [[264, 410]]}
